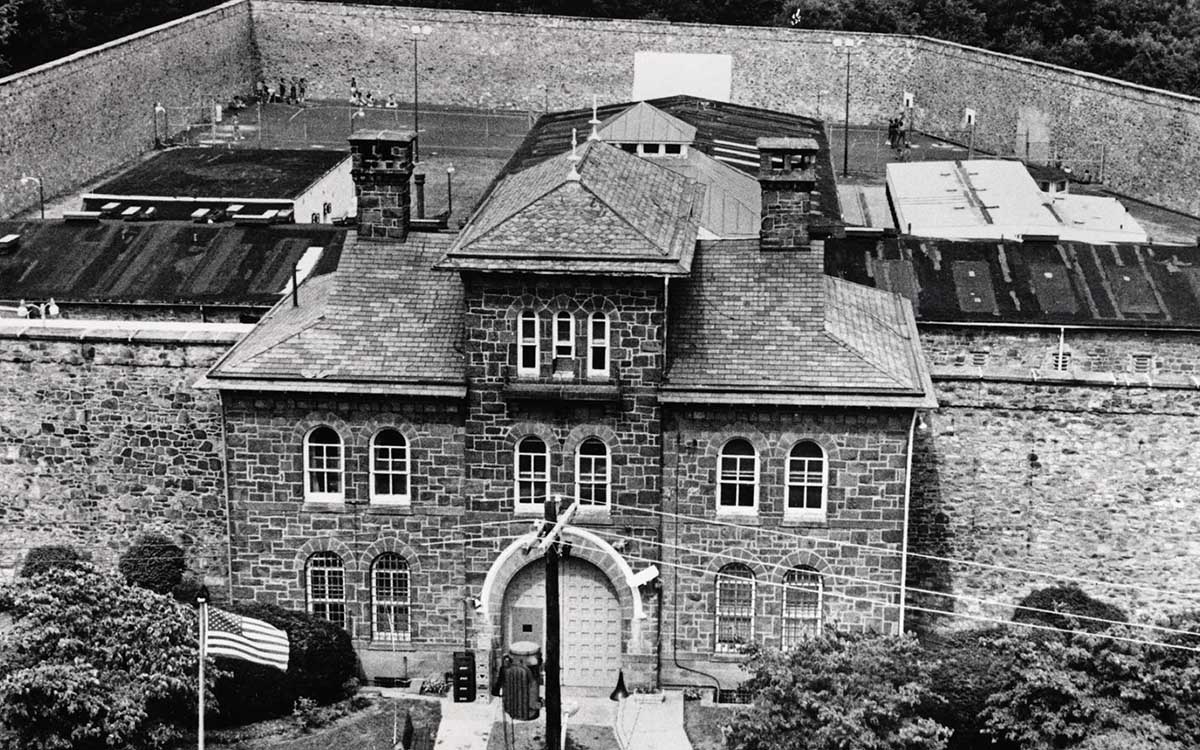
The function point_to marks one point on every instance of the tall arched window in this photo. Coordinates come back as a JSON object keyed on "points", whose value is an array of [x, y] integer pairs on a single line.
{"points": [[564, 334], [326, 579], [323, 465], [592, 473], [389, 467], [529, 345], [806, 481], [735, 607], [598, 364], [532, 474], [391, 598], [737, 479], [802, 591]]}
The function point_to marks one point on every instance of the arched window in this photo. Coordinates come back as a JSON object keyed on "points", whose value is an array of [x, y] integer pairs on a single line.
{"points": [[529, 346], [532, 474], [326, 579], [389, 467], [802, 590], [592, 473], [598, 365], [737, 477], [806, 480], [391, 598], [323, 465], [735, 607], [564, 334]]}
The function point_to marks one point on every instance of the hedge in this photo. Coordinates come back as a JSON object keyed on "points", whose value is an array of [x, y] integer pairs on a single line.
{"points": [[153, 562], [41, 559], [1069, 600]]}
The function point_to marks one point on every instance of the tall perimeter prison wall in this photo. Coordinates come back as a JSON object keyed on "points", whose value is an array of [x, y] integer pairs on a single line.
{"points": [[1148, 139], [73, 119]]}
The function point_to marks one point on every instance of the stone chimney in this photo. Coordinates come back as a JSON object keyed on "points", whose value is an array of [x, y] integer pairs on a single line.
{"points": [[787, 174], [383, 164]]}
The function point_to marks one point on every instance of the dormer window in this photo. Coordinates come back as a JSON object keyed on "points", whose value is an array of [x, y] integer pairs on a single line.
{"points": [[529, 349], [672, 149], [650, 149], [598, 345], [564, 335]]}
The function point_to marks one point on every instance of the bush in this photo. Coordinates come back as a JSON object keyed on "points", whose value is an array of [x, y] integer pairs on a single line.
{"points": [[840, 692], [153, 562], [41, 559], [188, 589], [322, 666], [968, 669], [1068, 600]]}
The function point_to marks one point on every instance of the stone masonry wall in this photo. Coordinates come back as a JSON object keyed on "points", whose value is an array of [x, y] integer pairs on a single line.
{"points": [[103, 440], [1150, 138], [856, 548], [1089, 473], [71, 120]]}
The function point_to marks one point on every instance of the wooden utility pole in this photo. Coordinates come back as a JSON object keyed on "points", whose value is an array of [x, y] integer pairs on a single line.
{"points": [[553, 683]]}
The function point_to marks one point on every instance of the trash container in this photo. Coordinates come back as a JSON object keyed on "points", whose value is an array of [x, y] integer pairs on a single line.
{"points": [[519, 681]]}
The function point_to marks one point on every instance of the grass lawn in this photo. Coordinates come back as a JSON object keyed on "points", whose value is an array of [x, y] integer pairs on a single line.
{"points": [[703, 724], [530, 735]]}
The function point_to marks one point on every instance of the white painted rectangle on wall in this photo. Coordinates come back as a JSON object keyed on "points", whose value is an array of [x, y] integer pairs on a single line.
{"points": [[658, 74]]}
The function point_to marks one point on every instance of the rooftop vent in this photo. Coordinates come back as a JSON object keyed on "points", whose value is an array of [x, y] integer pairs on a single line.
{"points": [[81, 216], [9, 243]]}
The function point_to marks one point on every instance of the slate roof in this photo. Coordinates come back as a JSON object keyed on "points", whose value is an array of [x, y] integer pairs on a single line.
{"points": [[385, 322], [226, 173], [764, 328], [159, 262], [645, 123], [623, 215], [1062, 283]]}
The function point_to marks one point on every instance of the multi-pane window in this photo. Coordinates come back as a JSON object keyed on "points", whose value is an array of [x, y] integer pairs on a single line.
{"points": [[738, 477], [533, 473], [564, 335], [327, 587], [529, 347], [802, 589], [323, 465], [389, 468], [591, 472], [598, 345], [390, 597], [806, 479], [735, 607]]}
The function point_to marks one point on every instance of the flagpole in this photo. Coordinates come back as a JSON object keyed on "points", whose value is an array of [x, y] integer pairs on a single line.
{"points": [[203, 639]]}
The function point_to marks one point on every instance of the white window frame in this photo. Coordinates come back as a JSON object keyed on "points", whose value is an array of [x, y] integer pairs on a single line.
{"points": [[525, 341], [731, 646], [807, 480], [520, 506], [607, 476], [327, 602], [596, 343], [396, 631], [794, 624], [567, 344], [721, 479], [405, 469], [314, 496]]}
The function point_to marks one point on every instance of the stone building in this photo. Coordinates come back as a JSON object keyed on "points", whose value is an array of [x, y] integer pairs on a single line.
{"points": [[735, 426]]}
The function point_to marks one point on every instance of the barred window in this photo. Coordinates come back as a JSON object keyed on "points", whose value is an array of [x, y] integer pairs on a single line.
{"points": [[738, 477], [735, 607], [591, 472], [326, 580], [529, 348], [532, 473], [323, 465], [598, 345], [391, 597], [389, 467], [564, 335], [806, 479], [802, 591]]}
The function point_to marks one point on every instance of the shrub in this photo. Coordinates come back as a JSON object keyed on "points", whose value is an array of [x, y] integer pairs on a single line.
{"points": [[1068, 600], [322, 666], [153, 562], [840, 692], [188, 589], [968, 669], [41, 559]]}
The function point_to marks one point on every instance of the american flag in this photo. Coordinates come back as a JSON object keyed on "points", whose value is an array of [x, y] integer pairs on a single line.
{"points": [[246, 638]]}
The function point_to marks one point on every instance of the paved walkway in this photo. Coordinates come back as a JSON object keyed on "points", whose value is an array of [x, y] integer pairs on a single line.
{"points": [[652, 722], [466, 726]]}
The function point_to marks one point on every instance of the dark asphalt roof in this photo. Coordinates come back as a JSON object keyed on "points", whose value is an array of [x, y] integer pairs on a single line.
{"points": [[226, 173], [1067, 283], [164, 262]]}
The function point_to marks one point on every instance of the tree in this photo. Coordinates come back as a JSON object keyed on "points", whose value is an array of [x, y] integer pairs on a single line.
{"points": [[967, 671], [91, 662], [153, 562], [840, 692]]}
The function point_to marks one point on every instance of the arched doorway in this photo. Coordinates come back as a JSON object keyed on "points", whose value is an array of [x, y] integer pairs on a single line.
{"points": [[591, 619]]}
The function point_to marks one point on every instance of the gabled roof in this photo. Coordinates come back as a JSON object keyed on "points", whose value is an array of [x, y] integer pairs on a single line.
{"points": [[769, 327], [384, 323], [645, 123], [621, 215], [732, 199]]}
